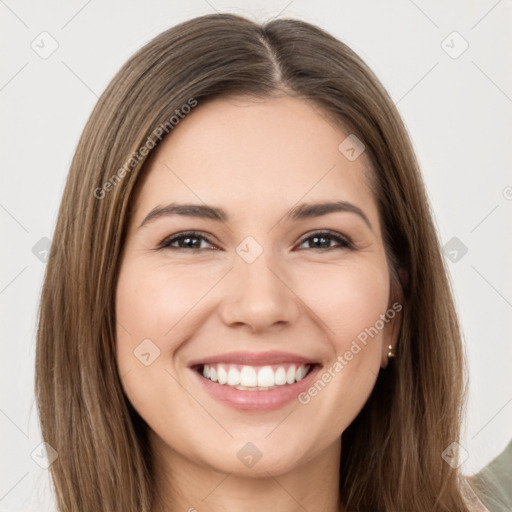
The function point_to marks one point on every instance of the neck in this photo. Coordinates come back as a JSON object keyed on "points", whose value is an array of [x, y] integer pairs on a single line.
{"points": [[186, 485]]}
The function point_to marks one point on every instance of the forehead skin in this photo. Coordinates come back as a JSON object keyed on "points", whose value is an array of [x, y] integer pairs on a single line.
{"points": [[256, 159]]}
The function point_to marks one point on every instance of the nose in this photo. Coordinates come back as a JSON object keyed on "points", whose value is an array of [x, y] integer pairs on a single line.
{"points": [[258, 297]]}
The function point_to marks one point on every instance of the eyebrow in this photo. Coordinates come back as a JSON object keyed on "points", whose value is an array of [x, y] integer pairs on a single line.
{"points": [[303, 211]]}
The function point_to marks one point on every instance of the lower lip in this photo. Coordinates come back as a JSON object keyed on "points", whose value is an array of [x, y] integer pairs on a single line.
{"points": [[257, 400]]}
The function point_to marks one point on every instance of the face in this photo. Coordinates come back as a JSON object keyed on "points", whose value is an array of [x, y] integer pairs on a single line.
{"points": [[251, 327]]}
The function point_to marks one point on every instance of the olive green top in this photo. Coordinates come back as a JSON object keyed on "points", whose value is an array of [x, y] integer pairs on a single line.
{"points": [[493, 483]]}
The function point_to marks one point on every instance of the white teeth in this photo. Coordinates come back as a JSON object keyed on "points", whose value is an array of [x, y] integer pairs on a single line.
{"points": [[254, 378], [280, 376], [266, 377], [233, 376], [222, 375], [290, 374], [300, 373], [248, 377]]}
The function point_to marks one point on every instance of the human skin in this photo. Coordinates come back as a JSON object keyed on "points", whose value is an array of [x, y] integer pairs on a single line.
{"points": [[256, 159]]}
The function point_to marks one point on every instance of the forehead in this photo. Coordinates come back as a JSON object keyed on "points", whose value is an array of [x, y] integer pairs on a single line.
{"points": [[254, 155]]}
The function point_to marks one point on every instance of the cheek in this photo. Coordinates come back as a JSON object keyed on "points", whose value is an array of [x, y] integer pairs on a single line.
{"points": [[154, 308], [157, 308], [348, 299], [152, 302], [350, 302]]}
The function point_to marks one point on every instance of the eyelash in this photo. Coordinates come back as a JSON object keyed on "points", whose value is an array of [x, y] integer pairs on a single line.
{"points": [[344, 242]]}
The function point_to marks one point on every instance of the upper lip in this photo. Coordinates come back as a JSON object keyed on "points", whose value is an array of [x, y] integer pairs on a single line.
{"points": [[253, 358]]}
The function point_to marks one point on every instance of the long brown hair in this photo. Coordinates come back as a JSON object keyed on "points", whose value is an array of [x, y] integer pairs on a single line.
{"points": [[392, 451]]}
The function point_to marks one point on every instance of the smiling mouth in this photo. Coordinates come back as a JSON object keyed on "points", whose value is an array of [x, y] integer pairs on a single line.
{"points": [[254, 378]]}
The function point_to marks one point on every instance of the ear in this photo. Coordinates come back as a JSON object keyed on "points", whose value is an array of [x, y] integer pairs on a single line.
{"points": [[394, 317]]}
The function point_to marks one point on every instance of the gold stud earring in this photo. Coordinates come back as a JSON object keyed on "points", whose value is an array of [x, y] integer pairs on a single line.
{"points": [[391, 354]]}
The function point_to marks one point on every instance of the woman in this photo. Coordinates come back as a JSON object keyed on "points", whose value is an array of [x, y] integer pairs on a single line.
{"points": [[246, 305]]}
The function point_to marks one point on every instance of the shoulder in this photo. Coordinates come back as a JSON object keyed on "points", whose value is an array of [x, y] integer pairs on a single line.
{"points": [[492, 485]]}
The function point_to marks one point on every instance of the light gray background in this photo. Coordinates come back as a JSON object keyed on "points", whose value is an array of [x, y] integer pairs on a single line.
{"points": [[458, 111]]}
